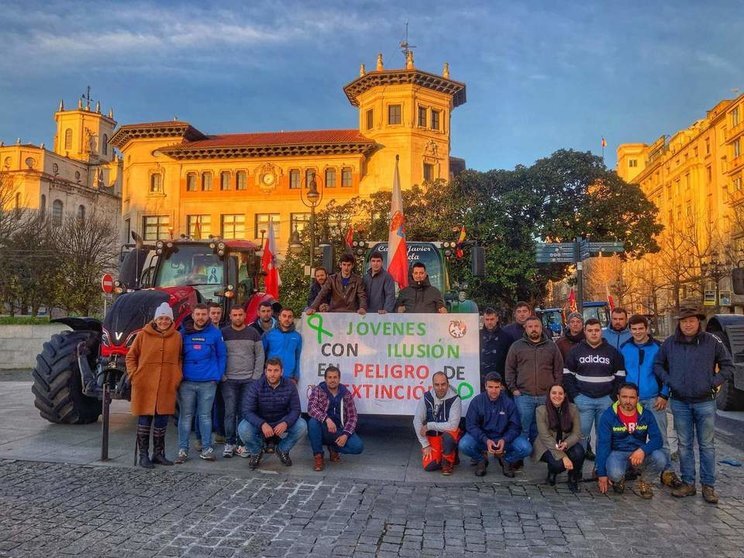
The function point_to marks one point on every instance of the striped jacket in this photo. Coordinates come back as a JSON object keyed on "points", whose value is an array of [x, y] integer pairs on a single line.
{"points": [[593, 371]]}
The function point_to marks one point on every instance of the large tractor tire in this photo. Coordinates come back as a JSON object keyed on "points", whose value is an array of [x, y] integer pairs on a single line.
{"points": [[57, 389], [729, 398]]}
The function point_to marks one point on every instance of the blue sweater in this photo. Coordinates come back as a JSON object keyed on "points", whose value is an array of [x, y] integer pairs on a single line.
{"points": [[689, 367], [493, 420], [287, 346], [204, 354], [613, 435], [639, 368], [273, 405], [616, 338]]}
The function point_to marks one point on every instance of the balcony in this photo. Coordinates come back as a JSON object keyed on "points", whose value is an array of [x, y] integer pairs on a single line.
{"points": [[733, 133], [735, 164]]}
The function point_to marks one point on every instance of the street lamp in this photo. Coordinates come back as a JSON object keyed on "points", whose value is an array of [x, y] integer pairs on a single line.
{"points": [[311, 197], [715, 270]]}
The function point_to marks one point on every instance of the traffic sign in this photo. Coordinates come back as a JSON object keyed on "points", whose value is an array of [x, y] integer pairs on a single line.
{"points": [[554, 252], [598, 247], [709, 298], [107, 283]]}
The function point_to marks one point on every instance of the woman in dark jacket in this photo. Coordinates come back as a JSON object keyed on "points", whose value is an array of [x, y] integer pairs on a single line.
{"points": [[558, 437]]}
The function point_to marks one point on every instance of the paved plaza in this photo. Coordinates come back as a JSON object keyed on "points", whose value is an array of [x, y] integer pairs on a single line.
{"points": [[57, 499]]}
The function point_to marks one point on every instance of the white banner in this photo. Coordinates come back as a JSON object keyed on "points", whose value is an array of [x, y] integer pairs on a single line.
{"points": [[388, 360]]}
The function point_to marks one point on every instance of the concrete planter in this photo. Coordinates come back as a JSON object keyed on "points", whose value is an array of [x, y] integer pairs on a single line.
{"points": [[19, 344]]}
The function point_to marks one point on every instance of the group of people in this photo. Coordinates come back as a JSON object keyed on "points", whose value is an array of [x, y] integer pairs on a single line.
{"points": [[538, 397], [619, 382]]}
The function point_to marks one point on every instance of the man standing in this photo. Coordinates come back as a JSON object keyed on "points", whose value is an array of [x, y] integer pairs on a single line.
{"points": [[266, 320], [421, 295], [204, 358], [245, 361], [215, 314], [493, 427], [218, 407], [515, 330], [618, 332], [639, 353], [437, 425], [321, 276], [687, 363], [573, 335], [345, 288], [285, 343], [628, 436], [333, 420], [533, 364], [271, 412], [380, 286], [592, 375], [494, 345]]}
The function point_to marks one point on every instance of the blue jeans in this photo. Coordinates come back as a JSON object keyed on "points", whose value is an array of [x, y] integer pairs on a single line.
{"points": [[618, 463], [255, 441], [318, 434], [513, 451], [691, 419], [195, 398], [590, 412], [233, 392], [526, 405], [661, 420]]}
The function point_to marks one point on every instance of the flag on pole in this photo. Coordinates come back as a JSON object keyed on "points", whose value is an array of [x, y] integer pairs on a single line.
{"points": [[572, 307], [268, 265], [397, 248], [604, 143], [349, 238], [610, 300], [460, 241]]}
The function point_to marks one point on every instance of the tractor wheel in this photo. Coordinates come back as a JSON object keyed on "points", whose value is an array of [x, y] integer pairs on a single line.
{"points": [[729, 398], [57, 388]]}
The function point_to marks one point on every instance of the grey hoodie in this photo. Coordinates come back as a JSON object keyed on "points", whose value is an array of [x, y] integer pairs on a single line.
{"points": [[420, 417]]}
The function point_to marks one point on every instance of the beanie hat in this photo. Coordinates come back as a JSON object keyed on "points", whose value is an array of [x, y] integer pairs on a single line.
{"points": [[575, 315], [163, 310]]}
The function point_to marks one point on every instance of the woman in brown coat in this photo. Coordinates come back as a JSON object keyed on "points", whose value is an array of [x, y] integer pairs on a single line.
{"points": [[154, 369], [558, 437]]}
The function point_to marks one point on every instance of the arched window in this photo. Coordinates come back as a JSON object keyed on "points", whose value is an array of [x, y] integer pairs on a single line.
{"points": [[104, 144], [206, 184], [191, 182], [68, 139], [156, 183], [224, 180], [81, 212], [241, 181], [57, 209]]}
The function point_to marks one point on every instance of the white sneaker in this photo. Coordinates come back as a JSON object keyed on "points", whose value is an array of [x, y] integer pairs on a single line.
{"points": [[242, 451], [208, 455], [229, 450]]}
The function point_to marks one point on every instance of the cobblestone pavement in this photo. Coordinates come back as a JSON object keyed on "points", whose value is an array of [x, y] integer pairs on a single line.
{"points": [[53, 509]]}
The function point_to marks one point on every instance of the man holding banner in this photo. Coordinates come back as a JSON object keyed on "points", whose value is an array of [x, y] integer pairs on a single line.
{"points": [[346, 290], [421, 296]]}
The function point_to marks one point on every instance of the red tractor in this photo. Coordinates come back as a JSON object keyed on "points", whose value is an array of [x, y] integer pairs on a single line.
{"points": [[78, 372]]}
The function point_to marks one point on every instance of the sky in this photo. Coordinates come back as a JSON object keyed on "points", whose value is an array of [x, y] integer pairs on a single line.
{"points": [[540, 75]]}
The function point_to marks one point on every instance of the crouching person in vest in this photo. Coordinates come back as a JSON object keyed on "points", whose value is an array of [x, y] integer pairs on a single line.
{"points": [[437, 425], [333, 420]]}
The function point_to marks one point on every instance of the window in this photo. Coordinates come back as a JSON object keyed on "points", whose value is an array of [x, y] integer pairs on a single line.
{"points": [[199, 226], [206, 182], [68, 139], [57, 209], [632, 163], [707, 146], [428, 172], [104, 144], [241, 180], [299, 222], [737, 183], [155, 227], [422, 117], [709, 174], [294, 179], [330, 178], [688, 210], [156, 183], [224, 180], [233, 226], [309, 177], [737, 147], [370, 119], [435, 120], [346, 177], [81, 212], [191, 182], [42, 206], [735, 117], [264, 221], [394, 114]]}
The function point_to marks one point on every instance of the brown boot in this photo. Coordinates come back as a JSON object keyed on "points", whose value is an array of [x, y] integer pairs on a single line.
{"points": [[709, 494], [447, 468], [318, 462], [158, 447], [684, 491], [334, 456]]}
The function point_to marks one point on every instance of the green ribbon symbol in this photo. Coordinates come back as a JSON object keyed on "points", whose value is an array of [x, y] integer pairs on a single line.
{"points": [[315, 322]]}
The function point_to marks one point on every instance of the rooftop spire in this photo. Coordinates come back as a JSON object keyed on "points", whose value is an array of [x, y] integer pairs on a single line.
{"points": [[445, 70], [380, 65], [362, 70]]}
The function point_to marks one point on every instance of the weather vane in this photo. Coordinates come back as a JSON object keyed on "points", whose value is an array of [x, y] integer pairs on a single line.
{"points": [[405, 46]]}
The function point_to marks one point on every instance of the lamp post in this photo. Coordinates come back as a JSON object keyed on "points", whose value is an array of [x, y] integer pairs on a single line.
{"points": [[715, 270], [311, 197]]}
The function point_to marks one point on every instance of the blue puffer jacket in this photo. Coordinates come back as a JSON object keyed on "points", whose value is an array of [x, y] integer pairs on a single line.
{"points": [[493, 420], [689, 367], [273, 405], [287, 346], [204, 353], [615, 338], [639, 368], [613, 435]]}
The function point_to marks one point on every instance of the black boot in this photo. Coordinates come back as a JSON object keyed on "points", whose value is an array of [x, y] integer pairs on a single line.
{"points": [[143, 446], [573, 480], [158, 447]]}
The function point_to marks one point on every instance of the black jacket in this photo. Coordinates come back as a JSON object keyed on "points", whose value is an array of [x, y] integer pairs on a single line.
{"points": [[494, 345], [593, 371], [689, 367], [420, 297]]}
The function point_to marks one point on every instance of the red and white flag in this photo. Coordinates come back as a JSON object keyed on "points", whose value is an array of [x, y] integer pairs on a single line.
{"points": [[610, 299], [349, 238], [268, 265], [397, 248]]}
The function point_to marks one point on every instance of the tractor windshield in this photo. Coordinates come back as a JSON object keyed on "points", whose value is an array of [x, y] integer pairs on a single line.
{"points": [[195, 265]]}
